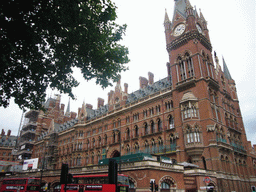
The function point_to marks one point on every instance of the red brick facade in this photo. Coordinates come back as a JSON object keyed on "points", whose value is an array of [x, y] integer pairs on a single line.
{"points": [[191, 116]]}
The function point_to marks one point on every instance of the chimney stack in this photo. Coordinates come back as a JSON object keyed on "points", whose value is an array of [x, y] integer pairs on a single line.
{"points": [[126, 88], [150, 78], [143, 82], [100, 102], [88, 106]]}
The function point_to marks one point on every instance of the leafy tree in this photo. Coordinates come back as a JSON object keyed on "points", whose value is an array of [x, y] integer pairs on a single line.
{"points": [[43, 40]]}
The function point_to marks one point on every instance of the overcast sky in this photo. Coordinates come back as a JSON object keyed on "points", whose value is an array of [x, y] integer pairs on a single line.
{"points": [[231, 25]]}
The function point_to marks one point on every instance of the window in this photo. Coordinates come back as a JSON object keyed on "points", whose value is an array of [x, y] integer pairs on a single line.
{"points": [[158, 109], [182, 69], [105, 139], [171, 122], [136, 131], [190, 65], [127, 133], [127, 119], [146, 128], [147, 149], [192, 136], [135, 117], [145, 113], [168, 105], [136, 147], [159, 125], [152, 126]]}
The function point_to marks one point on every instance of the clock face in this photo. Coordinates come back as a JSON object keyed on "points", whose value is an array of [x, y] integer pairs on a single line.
{"points": [[199, 28], [179, 29]]}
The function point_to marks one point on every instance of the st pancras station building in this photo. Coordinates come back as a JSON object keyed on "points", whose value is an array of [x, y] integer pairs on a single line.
{"points": [[184, 131]]}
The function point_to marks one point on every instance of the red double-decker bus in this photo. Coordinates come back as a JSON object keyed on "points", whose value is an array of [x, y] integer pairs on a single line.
{"points": [[20, 185], [96, 183]]}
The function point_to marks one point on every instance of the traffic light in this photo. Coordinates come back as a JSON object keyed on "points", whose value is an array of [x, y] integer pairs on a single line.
{"points": [[70, 178], [112, 171], [151, 185], [64, 174], [156, 187]]}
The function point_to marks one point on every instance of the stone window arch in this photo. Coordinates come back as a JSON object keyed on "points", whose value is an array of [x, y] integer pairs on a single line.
{"points": [[167, 183], [152, 126], [136, 147], [105, 139], [147, 148], [136, 131], [146, 131], [128, 149], [127, 132], [159, 125], [189, 63], [182, 68]]}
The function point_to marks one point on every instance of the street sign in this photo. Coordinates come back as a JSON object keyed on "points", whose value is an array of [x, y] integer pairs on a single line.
{"points": [[207, 179]]}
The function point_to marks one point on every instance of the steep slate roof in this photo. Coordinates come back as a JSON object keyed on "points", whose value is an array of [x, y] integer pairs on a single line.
{"points": [[226, 71], [180, 7], [10, 142], [149, 90]]}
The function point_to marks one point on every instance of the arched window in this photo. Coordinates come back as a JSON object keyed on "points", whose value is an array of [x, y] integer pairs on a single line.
{"points": [[114, 137], [147, 149], [136, 131], [190, 65], [88, 144], [161, 145], [119, 136], [172, 143], [165, 185], [159, 125], [92, 158], [153, 144], [99, 139], [152, 126], [127, 133], [146, 128], [181, 63], [136, 147], [105, 139], [192, 136], [128, 148], [93, 142], [171, 122]]}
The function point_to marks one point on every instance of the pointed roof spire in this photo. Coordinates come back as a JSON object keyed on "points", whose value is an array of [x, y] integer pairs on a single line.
{"points": [[226, 71], [68, 108], [188, 4], [201, 15], [166, 18], [180, 7]]}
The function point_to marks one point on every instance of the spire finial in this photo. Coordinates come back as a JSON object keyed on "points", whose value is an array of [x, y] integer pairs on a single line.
{"points": [[68, 108]]}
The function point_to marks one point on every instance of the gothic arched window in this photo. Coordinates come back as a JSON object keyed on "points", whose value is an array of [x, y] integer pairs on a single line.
{"points": [[159, 125], [190, 65], [146, 128], [136, 131], [171, 122], [152, 126], [182, 67]]}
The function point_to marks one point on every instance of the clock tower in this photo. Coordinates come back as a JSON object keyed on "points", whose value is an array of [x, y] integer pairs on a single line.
{"points": [[193, 77], [188, 45]]}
